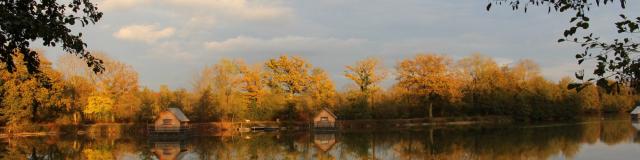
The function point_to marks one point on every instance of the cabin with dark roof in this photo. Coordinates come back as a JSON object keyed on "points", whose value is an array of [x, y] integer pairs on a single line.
{"points": [[325, 120], [171, 120]]}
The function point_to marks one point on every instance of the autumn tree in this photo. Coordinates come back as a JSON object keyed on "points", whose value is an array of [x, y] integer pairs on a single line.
{"points": [[481, 75], [430, 77], [148, 105], [288, 76], [100, 106], [252, 87], [27, 98], [222, 82], [321, 88], [120, 81], [78, 85], [366, 74]]}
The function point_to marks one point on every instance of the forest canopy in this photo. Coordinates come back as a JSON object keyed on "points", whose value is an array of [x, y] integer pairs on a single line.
{"points": [[290, 88]]}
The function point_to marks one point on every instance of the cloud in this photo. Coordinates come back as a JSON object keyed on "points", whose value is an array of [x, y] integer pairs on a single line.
{"points": [[560, 69], [248, 10], [144, 33], [287, 43], [172, 50], [199, 22], [110, 5]]}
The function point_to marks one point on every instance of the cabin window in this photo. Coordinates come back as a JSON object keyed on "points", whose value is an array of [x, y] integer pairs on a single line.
{"points": [[166, 121], [324, 118]]}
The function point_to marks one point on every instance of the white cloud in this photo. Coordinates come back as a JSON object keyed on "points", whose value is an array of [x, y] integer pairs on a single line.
{"points": [[200, 22], [173, 50], [248, 10], [282, 44], [110, 5], [144, 33]]}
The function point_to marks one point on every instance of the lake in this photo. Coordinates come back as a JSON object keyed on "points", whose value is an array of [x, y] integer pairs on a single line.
{"points": [[595, 139]]}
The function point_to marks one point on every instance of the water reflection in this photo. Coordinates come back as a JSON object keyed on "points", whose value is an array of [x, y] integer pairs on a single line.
{"points": [[563, 141], [169, 149]]}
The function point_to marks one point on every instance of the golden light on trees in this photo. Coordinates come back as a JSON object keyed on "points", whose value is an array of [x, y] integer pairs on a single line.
{"points": [[251, 81], [430, 77], [366, 74], [322, 89], [289, 75], [99, 105]]}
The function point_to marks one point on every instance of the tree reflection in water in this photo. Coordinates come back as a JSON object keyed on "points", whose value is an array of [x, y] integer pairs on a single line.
{"points": [[469, 142]]}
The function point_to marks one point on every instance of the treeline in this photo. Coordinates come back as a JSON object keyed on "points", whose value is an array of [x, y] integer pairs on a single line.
{"points": [[289, 88]]}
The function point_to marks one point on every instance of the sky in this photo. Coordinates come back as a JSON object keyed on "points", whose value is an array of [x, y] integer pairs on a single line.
{"points": [[169, 41]]}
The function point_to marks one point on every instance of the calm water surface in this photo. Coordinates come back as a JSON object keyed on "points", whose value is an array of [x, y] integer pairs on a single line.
{"points": [[606, 139]]}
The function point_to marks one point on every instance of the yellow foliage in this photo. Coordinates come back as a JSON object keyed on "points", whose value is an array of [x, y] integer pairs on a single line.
{"points": [[289, 75], [99, 105], [322, 88], [366, 74], [251, 81], [430, 76]]}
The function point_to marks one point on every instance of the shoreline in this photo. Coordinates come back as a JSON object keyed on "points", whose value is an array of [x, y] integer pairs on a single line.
{"points": [[229, 128]]}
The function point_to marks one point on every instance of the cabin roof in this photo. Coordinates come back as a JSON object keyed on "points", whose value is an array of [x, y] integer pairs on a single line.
{"points": [[178, 113], [328, 111], [636, 110]]}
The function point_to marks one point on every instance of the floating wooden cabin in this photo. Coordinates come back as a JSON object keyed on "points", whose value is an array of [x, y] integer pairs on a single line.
{"points": [[635, 114], [170, 121], [325, 120]]}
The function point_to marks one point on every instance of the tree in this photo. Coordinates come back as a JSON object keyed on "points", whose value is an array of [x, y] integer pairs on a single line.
{"points": [[252, 87], [614, 59], [222, 82], [480, 74], [148, 105], [120, 81], [366, 74], [27, 98], [78, 85], [288, 75], [25, 21], [321, 88], [101, 106], [431, 77]]}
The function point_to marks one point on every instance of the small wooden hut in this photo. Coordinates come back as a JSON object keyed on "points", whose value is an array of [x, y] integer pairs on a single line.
{"points": [[635, 114], [172, 120], [325, 119]]}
